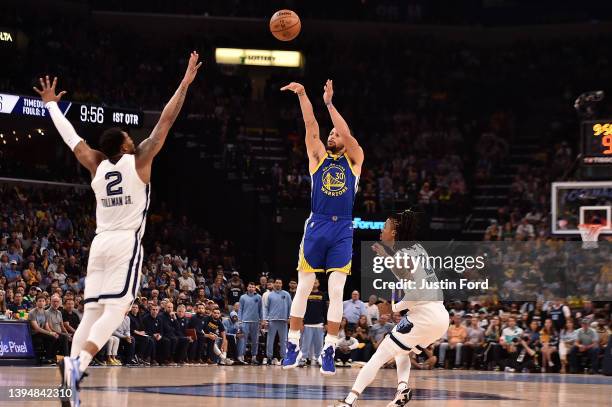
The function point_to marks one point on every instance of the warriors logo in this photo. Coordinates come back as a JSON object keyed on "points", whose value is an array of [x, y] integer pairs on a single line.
{"points": [[334, 180]]}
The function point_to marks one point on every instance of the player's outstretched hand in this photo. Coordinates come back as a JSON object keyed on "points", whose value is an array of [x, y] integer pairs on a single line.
{"points": [[328, 91], [192, 67], [379, 249], [47, 91], [295, 87]]}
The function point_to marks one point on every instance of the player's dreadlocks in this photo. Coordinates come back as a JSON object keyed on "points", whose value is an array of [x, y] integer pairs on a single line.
{"points": [[407, 224]]}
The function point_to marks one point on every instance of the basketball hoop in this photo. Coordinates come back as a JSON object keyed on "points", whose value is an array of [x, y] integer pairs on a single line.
{"points": [[589, 232]]}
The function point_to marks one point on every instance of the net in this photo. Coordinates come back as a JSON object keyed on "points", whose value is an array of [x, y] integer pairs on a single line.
{"points": [[589, 234]]}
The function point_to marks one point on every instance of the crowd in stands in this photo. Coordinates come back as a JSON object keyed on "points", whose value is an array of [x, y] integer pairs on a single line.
{"points": [[425, 138], [193, 306]]}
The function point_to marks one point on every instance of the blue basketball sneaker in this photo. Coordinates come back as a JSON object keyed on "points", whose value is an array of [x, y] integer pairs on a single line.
{"points": [[72, 379], [326, 360], [292, 357]]}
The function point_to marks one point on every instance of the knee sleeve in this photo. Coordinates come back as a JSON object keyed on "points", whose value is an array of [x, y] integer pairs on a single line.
{"points": [[335, 287], [304, 288], [91, 313], [103, 328]]}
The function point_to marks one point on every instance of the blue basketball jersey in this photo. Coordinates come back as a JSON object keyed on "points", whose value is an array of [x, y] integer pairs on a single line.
{"points": [[334, 185]]}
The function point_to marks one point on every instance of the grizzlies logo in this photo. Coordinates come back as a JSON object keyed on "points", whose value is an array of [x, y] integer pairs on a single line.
{"points": [[334, 180]]}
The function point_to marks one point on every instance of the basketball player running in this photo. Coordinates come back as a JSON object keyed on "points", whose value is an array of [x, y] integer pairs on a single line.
{"points": [[120, 180], [426, 321], [327, 245]]}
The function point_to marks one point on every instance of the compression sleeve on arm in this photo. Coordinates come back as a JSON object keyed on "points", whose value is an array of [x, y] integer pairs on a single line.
{"points": [[63, 126]]}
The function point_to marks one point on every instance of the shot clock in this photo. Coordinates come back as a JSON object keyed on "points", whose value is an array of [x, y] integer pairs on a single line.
{"points": [[596, 141], [74, 112]]}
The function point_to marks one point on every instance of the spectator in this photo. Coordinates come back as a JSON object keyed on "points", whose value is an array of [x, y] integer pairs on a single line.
{"points": [[234, 289], [127, 343], [198, 346], [55, 323], [69, 316], [372, 311], [521, 355], [566, 342], [314, 324], [345, 348], [425, 360], [155, 329], [234, 334], [41, 335], [276, 308], [587, 342], [182, 323], [353, 309], [4, 311], [457, 333], [549, 338], [12, 274], [214, 330], [250, 316], [186, 281], [525, 230], [380, 329], [145, 346], [474, 344], [178, 343]]}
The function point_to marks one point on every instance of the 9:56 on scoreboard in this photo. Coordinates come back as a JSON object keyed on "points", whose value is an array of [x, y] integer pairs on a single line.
{"points": [[596, 141], [75, 112]]}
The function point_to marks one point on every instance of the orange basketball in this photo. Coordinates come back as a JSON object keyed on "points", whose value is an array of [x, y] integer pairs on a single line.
{"points": [[285, 25]]}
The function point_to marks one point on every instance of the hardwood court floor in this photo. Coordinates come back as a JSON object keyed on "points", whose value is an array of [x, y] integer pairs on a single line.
{"points": [[254, 386]]}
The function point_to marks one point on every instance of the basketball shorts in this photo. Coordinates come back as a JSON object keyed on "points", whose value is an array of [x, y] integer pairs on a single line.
{"points": [[327, 244], [425, 324], [113, 270]]}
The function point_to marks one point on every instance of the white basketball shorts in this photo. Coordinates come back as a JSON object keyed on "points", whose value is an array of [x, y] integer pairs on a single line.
{"points": [[113, 270]]}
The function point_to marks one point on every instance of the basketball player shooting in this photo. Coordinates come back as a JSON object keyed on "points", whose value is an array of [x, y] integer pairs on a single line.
{"points": [[327, 245], [427, 318], [120, 180]]}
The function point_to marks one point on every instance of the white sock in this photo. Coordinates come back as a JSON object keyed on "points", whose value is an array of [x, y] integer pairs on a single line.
{"points": [[350, 399], [330, 340], [294, 337], [402, 386], [84, 360]]}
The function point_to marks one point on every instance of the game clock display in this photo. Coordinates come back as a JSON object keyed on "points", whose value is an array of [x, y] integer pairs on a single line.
{"points": [[74, 112], [596, 136]]}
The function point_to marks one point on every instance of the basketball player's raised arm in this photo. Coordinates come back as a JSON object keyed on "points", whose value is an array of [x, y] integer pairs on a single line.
{"points": [[88, 157], [314, 145], [148, 149], [353, 149]]}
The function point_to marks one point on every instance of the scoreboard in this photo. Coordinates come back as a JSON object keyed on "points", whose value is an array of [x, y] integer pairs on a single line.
{"points": [[596, 141], [75, 112]]}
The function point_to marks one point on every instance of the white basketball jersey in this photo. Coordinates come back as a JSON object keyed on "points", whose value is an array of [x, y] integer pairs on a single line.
{"points": [[424, 272], [122, 199]]}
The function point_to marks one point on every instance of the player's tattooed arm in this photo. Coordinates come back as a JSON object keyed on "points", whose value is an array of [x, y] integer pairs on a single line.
{"points": [[353, 149], [150, 147], [314, 145]]}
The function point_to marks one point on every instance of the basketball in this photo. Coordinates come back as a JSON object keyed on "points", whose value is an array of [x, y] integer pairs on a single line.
{"points": [[285, 25]]}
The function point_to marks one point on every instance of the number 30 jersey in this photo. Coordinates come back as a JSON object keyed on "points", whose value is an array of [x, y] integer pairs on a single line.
{"points": [[122, 199]]}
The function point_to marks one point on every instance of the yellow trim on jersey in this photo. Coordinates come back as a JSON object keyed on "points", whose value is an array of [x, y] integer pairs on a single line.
{"points": [[346, 269], [348, 160], [318, 165], [304, 266]]}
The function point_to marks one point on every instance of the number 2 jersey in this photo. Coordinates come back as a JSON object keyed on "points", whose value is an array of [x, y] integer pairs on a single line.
{"points": [[122, 199]]}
